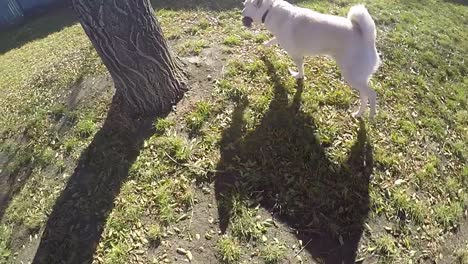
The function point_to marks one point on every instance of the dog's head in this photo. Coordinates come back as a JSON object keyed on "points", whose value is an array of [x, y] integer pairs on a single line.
{"points": [[254, 11]]}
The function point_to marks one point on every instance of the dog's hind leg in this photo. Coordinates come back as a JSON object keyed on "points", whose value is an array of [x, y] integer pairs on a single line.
{"points": [[358, 80], [366, 94], [299, 61], [362, 109], [372, 102]]}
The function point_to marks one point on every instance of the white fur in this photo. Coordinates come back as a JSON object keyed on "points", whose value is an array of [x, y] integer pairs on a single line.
{"points": [[302, 32]]}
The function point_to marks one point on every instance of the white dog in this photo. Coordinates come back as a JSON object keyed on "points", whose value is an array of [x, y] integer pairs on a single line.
{"points": [[302, 32]]}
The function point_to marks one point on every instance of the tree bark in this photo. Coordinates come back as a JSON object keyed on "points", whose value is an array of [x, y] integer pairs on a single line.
{"points": [[130, 42]]}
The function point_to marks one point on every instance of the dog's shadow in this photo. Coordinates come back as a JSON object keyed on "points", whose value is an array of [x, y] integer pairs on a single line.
{"points": [[325, 202]]}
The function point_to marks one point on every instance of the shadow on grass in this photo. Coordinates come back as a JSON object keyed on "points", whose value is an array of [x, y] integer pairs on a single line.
{"points": [[215, 5], [37, 27], [18, 159], [283, 161], [43, 24], [75, 225], [17, 167], [459, 2]]}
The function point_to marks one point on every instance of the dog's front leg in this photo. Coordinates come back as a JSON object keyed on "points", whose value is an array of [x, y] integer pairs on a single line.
{"points": [[271, 42], [299, 61]]}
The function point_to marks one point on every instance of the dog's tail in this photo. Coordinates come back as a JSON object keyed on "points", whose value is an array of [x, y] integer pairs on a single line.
{"points": [[361, 18]]}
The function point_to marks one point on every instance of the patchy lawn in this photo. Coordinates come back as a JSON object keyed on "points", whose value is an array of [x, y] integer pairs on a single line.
{"points": [[252, 166]]}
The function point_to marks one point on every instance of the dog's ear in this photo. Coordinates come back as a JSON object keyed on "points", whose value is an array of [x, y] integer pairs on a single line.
{"points": [[258, 3]]}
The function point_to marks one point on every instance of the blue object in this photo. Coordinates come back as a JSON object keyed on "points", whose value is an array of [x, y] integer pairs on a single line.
{"points": [[11, 13]]}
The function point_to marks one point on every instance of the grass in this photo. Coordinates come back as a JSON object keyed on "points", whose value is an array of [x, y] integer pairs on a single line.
{"points": [[273, 253], [163, 125], [154, 233], [243, 222], [232, 40], [198, 116], [5, 251], [192, 47], [229, 250], [386, 246], [462, 255], [294, 151], [85, 128]]}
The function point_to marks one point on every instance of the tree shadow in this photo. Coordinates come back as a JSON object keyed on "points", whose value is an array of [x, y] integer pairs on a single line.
{"points": [[55, 18], [214, 5], [18, 159], [283, 160], [12, 180], [459, 2], [37, 26], [75, 225], [45, 23]]}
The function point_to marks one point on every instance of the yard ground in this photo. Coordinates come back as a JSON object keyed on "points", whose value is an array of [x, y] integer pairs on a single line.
{"points": [[251, 166]]}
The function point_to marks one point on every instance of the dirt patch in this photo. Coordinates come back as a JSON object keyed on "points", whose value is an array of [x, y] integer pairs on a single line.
{"points": [[200, 233], [197, 234], [458, 240], [12, 179], [27, 244], [202, 71], [88, 90], [84, 92]]}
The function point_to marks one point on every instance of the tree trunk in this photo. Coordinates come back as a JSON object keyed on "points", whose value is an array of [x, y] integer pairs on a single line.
{"points": [[130, 42]]}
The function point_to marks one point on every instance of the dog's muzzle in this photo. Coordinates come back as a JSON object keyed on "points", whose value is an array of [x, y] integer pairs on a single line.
{"points": [[247, 21]]}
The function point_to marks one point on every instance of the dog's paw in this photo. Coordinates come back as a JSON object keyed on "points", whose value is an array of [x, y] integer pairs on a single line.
{"points": [[358, 114], [296, 75]]}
